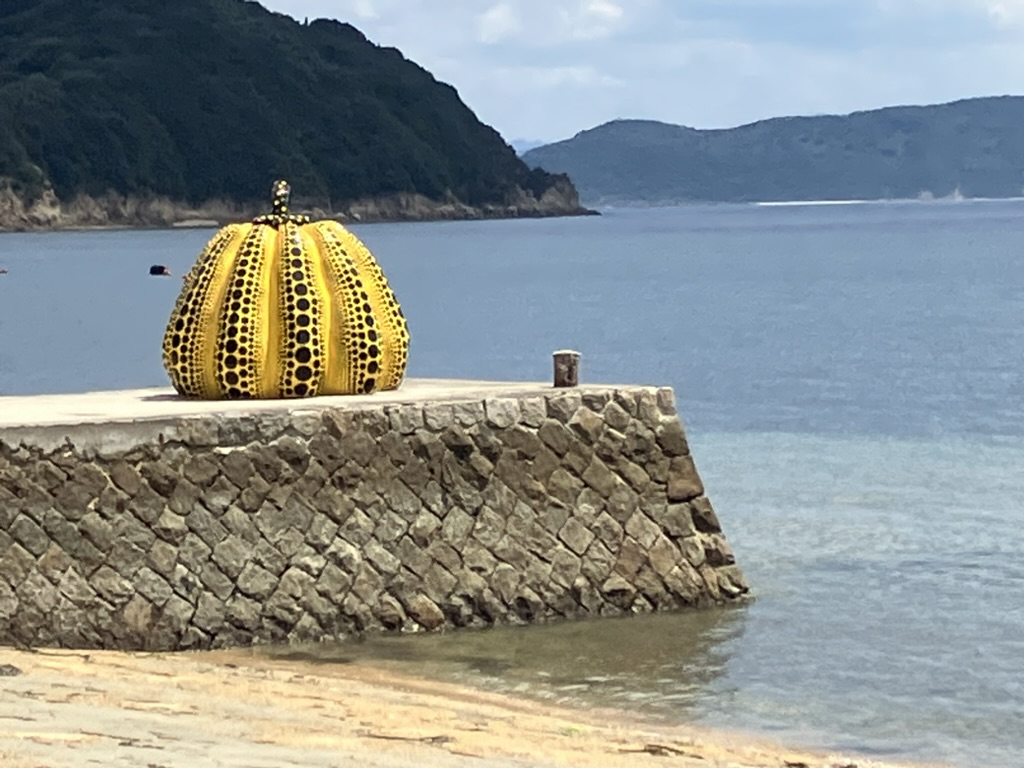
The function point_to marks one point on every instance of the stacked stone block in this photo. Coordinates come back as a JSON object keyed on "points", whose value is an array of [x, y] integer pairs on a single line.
{"points": [[321, 523]]}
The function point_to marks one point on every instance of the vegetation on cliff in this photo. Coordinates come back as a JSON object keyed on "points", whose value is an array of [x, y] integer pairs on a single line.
{"points": [[213, 99], [973, 147]]}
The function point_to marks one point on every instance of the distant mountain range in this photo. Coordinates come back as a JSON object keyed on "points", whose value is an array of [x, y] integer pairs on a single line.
{"points": [[973, 148]]}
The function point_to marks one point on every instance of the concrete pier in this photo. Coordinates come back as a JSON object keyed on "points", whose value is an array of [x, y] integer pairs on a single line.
{"points": [[138, 520]]}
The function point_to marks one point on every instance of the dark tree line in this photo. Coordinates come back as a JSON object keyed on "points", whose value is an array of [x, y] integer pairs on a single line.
{"points": [[214, 98]]}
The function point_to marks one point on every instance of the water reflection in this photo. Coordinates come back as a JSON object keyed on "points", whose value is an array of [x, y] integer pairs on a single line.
{"points": [[661, 664]]}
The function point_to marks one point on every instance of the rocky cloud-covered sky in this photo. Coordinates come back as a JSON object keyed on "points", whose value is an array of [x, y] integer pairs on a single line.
{"points": [[543, 70]]}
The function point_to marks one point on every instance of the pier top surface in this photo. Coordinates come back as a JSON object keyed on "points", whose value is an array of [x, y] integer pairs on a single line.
{"points": [[164, 403]]}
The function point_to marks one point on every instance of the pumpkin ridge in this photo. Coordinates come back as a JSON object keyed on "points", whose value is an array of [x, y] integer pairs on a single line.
{"points": [[301, 349], [184, 355], [339, 270], [359, 321], [238, 353], [388, 334]]}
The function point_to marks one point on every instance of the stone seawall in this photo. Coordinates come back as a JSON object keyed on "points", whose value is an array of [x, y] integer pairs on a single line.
{"points": [[135, 520]]}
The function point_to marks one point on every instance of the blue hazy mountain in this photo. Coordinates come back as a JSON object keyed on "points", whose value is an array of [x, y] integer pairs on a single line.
{"points": [[973, 148]]}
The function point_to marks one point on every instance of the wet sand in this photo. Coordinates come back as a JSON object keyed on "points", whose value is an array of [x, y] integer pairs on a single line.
{"points": [[125, 710]]}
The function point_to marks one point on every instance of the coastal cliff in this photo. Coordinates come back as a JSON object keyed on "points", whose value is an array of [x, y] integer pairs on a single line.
{"points": [[49, 212], [106, 119]]}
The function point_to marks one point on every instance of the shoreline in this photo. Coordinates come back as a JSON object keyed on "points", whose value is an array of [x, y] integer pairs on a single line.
{"points": [[112, 211], [346, 221], [242, 708]]}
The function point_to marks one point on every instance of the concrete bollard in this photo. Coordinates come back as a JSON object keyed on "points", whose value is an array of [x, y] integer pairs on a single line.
{"points": [[567, 368]]}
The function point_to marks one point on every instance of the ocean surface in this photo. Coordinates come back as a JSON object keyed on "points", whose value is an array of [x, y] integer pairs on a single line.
{"points": [[852, 382]]}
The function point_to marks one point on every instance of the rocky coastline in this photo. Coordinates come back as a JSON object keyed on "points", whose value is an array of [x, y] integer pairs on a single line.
{"points": [[113, 210]]}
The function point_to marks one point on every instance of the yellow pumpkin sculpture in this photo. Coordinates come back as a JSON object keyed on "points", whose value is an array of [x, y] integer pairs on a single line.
{"points": [[285, 307]]}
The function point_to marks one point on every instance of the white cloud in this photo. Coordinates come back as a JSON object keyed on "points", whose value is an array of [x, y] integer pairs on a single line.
{"points": [[592, 19], [498, 23], [363, 9], [529, 79], [1001, 12], [545, 23], [1006, 12], [604, 9]]}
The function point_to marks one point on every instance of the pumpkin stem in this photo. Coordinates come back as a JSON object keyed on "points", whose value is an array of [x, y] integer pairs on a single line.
{"points": [[280, 192]]}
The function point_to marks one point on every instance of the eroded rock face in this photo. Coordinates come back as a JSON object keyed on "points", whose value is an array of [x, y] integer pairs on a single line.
{"points": [[308, 525], [114, 210], [42, 213]]}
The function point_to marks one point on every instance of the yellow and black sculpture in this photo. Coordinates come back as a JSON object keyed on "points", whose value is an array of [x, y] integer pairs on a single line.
{"points": [[285, 307]]}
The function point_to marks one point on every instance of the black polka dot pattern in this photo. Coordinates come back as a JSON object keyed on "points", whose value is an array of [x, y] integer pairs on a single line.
{"points": [[283, 307], [375, 334], [191, 323], [302, 348], [239, 352]]}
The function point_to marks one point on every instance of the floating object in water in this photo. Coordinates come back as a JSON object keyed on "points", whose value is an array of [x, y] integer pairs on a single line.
{"points": [[159, 270], [3, 271], [285, 307]]}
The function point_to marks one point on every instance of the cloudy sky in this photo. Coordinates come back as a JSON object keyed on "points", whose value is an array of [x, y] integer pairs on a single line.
{"points": [[546, 69]]}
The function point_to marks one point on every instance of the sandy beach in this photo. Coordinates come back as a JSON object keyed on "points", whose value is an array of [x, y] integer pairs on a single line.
{"points": [[237, 708]]}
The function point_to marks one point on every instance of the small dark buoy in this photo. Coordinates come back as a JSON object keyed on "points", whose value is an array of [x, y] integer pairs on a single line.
{"points": [[3, 271], [159, 270]]}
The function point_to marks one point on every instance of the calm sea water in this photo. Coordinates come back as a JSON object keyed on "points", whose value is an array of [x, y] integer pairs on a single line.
{"points": [[852, 381]]}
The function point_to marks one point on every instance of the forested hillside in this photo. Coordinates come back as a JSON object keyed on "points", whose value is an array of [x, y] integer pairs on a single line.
{"points": [[974, 148], [212, 99]]}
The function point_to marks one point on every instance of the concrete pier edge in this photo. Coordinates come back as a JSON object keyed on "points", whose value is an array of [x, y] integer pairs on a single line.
{"points": [[138, 520]]}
